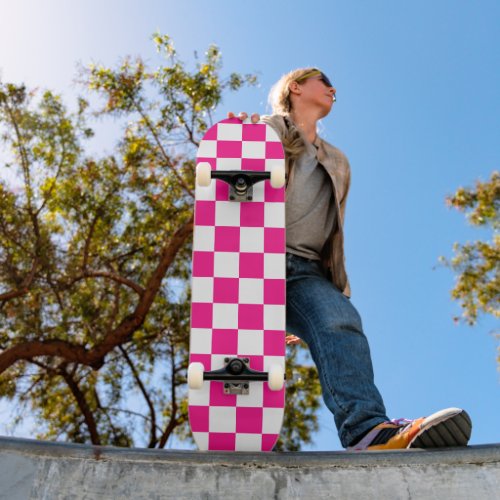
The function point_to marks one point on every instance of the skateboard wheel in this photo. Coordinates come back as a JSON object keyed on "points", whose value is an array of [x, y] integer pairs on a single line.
{"points": [[276, 377], [203, 174], [278, 177], [195, 375]]}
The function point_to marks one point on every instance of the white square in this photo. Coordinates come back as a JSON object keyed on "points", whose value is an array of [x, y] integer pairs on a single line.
{"points": [[204, 238], [272, 420], [252, 239], [274, 215], [205, 193], [217, 360], [226, 264], [207, 149], [201, 440], [222, 419], [251, 291], [274, 162], [274, 266], [200, 397], [225, 316], [202, 289], [229, 132], [200, 341], [228, 163], [249, 442], [271, 134], [254, 398], [273, 360], [227, 213], [253, 149], [258, 191], [250, 343], [274, 317]]}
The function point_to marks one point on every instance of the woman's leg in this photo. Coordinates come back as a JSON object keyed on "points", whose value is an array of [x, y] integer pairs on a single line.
{"points": [[325, 319]]}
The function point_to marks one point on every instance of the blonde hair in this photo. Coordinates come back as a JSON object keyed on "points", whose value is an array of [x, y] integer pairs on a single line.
{"points": [[279, 96], [281, 104]]}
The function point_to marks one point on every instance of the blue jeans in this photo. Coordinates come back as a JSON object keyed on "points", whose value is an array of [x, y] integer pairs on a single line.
{"points": [[325, 319]]}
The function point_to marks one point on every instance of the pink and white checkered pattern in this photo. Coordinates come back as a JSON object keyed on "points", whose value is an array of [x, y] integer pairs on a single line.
{"points": [[238, 290]]}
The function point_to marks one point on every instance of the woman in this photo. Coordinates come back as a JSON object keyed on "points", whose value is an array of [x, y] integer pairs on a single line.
{"points": [[319, 310]]}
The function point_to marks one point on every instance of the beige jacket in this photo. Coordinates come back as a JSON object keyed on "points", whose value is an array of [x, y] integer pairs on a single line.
{"points": [[337, 166]]}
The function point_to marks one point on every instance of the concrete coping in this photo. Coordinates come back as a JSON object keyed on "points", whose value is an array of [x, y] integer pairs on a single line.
{"points": [[477, 454]]}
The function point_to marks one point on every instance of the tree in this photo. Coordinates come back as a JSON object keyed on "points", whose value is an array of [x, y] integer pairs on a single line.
{"points": [[477, 264], [95, 254]]}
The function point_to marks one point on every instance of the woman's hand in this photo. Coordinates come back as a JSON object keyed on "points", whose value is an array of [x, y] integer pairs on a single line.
{"points": [[243, 116], [292, 340]]}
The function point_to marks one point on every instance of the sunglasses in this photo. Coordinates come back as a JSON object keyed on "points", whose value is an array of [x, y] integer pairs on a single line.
{"points": [[316, 72]]}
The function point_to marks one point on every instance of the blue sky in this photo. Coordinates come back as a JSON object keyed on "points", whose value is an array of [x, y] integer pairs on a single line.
{"points": [[418, 115]]}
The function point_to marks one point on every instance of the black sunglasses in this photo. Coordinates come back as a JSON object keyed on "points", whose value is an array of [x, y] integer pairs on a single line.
{"points": [[315, 72]]}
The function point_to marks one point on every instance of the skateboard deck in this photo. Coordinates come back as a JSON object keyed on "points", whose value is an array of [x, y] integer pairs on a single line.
{"points": [[238, 292]]}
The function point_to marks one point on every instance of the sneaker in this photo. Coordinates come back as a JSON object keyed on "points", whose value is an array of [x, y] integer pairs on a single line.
{"points": [[450, 427]]}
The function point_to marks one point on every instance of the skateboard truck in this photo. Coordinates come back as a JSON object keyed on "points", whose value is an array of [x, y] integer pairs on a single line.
{"points": [[240, 181], [236, 375]]}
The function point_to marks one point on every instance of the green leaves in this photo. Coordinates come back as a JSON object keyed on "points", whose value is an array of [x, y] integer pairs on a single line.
{"points": [[477, 264]]}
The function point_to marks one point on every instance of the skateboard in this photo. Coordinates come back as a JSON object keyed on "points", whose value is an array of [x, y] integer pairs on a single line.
{"points": [[237, 339]]}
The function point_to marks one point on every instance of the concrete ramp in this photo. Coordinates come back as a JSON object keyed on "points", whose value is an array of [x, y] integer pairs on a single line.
{"points": [[35, 469]]}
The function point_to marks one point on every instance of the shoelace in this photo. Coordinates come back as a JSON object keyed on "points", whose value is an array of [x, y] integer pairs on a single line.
{"points": [[401, 423]]}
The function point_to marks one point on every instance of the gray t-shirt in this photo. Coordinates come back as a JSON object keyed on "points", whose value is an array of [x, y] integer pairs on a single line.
{"points": [[310, 207]]}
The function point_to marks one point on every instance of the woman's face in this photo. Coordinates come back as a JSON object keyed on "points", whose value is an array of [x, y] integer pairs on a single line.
{"points": [[315, 91]]}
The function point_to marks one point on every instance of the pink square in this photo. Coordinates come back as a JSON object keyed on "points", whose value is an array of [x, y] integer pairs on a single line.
{"points": [[198, 418], [222, 441], [274, 343], [225, 342], [254, 132], [274, 291], [201, 315], [227, 239], [221, 190], [249, 420], [211, 161], [203, 264], [226, 290], [204, 213], [252, 214], [237, 121], [255, 362], [268, 441], [274, 150], [204, 359], [274, 194], [229, 149], [273, 399], [217, 396], [251, 265], [274, 240], [211, 134], [251, 316], [256, 164]]}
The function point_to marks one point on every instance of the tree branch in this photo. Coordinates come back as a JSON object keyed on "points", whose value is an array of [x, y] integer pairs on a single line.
{"points": [[122, 333], [82, 404], [24, 288], [152, 440]]}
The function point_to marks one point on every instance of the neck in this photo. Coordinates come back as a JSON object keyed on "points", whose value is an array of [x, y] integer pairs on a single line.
{"points": [[307, 121]]}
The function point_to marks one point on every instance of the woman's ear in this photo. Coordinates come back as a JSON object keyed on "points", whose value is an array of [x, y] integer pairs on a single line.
{"points": [[294, 88]]}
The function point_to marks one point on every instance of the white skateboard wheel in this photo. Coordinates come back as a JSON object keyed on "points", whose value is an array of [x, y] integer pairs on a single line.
{"points": [[195, 375], [276, 377], [203, 174], [278, 176]]}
